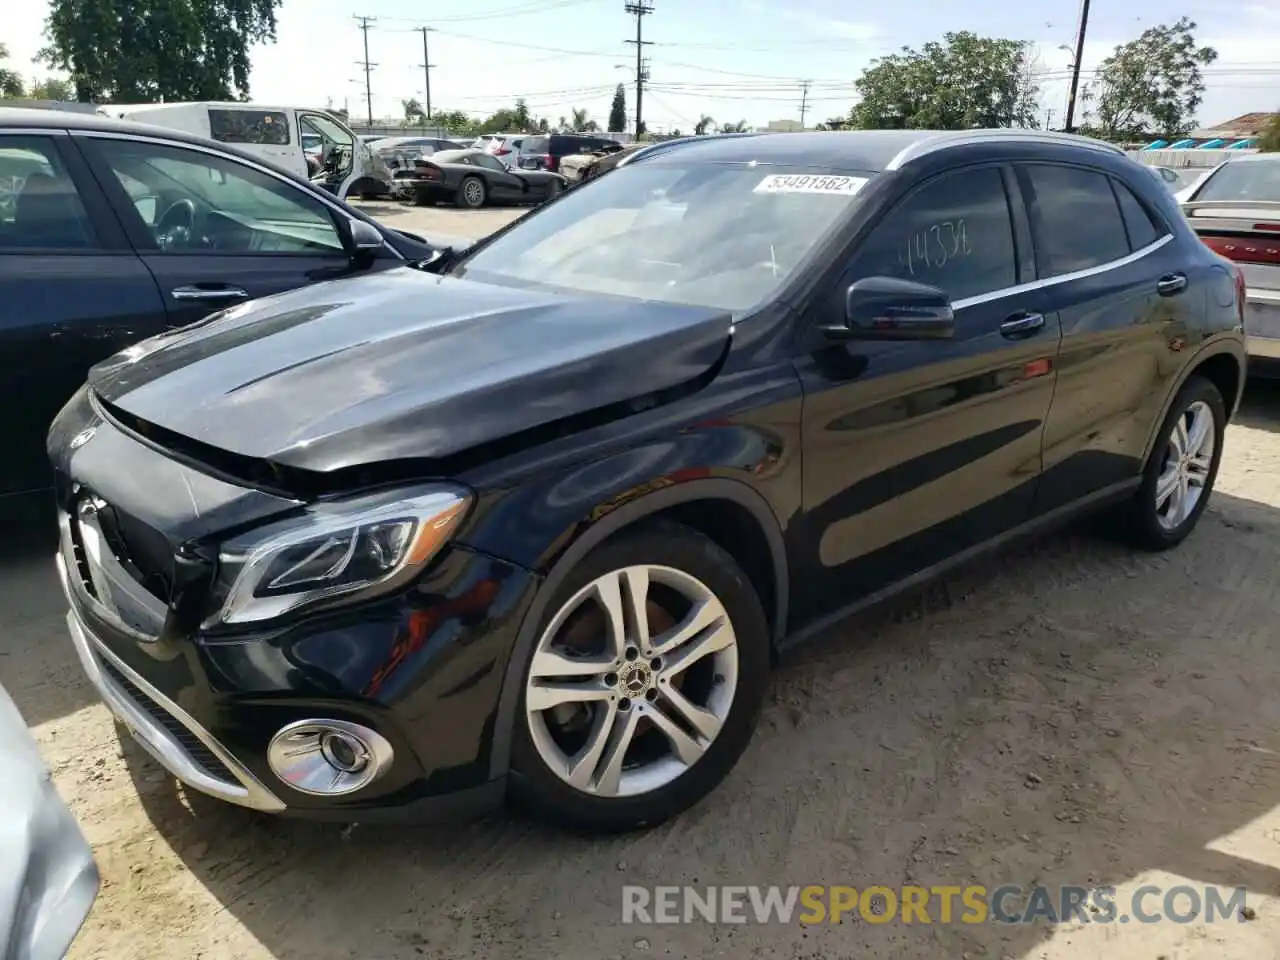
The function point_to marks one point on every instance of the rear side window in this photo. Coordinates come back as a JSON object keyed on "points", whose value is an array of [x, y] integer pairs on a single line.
{"points": [[955, 233], [535, 145], [268, 127], [40, 207], [1138, 223], [1075, 219]]}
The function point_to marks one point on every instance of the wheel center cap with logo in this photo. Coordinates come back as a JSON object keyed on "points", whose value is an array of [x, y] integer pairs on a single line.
{"points": [[636, 679]]}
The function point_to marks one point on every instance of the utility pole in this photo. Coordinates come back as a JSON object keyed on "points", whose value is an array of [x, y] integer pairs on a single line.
{"points": [[804, 101], [1048, 118], [426, 68], [368, 67], [640, 9], [1069, 126]]}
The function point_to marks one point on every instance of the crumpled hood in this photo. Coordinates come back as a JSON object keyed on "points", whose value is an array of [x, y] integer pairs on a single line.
{"points": [[403, 364]]}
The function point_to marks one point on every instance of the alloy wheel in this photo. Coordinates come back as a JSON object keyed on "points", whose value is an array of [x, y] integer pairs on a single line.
{"points": [[1187, 463], [631, 681], [473, 192]]}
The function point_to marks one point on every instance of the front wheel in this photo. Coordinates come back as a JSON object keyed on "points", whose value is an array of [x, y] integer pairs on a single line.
{"points": [[644, 685], [1181, 470]]}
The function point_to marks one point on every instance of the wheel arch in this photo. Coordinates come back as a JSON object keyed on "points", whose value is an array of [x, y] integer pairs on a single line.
{"points": [[1224, 365], [718, 508]]}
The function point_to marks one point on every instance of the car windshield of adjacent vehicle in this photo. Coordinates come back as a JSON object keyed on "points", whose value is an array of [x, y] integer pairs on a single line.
{"points": [[1250, 180], [723, 235]]}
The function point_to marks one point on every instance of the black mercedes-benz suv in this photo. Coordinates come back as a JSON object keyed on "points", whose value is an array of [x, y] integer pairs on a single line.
{"points": [[539, 524]]}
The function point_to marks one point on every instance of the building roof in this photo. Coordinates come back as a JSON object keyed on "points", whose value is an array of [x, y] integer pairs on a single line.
{"points": [[1248, 124]]}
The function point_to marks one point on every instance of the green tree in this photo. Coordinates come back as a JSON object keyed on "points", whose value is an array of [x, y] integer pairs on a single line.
{"points": [[10, 80], [414, 115], [1150, 86], [739, 127], [618, 110], [1269, 142], [965, 81], [579, 121], [51, 88], [144, 51], [704, 124], [521, 116], [456, 122]]}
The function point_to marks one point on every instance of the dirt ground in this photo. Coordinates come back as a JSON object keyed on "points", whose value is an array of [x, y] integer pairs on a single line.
{"points": [[1071, 713]]}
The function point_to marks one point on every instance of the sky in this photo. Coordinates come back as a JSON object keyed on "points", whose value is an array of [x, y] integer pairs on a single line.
{"points": [[729, 59]]}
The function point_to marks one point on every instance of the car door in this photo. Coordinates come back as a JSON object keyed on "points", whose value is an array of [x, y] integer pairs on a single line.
{"points": [[1101, 255], [503, 184], [215, 230], [72, 289], [918, 451]]}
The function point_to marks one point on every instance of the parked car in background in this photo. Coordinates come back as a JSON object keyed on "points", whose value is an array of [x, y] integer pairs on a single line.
{"points": [[115, 231], [546, 153], [1236, 211], [400, 152], [285, 136], [473, 179], [48, 879], [540, 524], [506, 148]]}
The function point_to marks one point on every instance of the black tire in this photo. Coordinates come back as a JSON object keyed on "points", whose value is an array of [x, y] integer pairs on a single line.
{"points": [[472, 194], [1140, 515], [542, 792]]}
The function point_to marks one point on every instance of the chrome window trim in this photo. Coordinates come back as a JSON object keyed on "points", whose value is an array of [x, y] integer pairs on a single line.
{"points": [[1063, 277], [200, 148], [945, 141]]}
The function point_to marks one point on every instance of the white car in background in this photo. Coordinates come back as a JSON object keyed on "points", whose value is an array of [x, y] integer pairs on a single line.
{"points": [[504, 146]]}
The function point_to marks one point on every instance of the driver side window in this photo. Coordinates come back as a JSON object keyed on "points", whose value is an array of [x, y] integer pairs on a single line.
{"points": [[955, 233], [190, 201]]}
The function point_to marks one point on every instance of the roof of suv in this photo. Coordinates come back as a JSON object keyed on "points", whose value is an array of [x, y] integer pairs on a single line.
{"points": [[861, 149]]}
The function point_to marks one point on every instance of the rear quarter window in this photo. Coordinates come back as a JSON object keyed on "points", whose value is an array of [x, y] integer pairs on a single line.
{"points": [[1075, 218], [1142, 228], [264, 127]]}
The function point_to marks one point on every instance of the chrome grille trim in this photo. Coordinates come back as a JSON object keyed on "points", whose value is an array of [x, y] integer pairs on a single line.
{"points": [[164, 747]]}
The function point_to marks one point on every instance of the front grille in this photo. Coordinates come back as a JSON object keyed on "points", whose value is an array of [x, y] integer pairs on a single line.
{"points": [[195, 747]]}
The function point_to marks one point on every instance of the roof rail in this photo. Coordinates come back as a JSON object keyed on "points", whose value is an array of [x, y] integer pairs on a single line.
{"points": [[956, 138]]}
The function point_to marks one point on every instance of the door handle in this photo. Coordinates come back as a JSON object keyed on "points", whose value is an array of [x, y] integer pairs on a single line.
{"points": [[1022, 325], [1171, 283], [209, 293]]}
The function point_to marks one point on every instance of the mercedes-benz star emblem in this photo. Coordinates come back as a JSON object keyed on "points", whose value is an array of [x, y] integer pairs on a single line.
{"points": [[636, 680]]}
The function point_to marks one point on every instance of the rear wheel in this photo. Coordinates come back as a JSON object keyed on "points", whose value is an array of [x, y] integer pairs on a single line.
{"points": [[1181, 470], [472, 193], [644, 685]]}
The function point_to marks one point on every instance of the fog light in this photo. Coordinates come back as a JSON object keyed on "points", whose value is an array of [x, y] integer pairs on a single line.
{"points": [[328, 758]]}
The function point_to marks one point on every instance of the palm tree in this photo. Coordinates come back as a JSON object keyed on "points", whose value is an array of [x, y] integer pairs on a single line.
{"points": [[739, 127], [704, 124], [579, 121], [413, 112]]}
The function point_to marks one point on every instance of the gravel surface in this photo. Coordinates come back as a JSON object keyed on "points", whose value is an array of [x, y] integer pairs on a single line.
{"points": [[1071, 713]]}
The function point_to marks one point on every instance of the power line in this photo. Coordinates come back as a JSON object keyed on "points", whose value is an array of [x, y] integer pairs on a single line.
{"points": [[640, 9], [368, 67], [426, 68]]}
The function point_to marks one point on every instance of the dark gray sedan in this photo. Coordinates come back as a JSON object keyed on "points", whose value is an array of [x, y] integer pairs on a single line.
{"points": [[472, 179]]}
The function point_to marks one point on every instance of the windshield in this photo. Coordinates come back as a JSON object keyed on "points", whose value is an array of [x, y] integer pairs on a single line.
{"points": [[718, 235], [1250, 180]]}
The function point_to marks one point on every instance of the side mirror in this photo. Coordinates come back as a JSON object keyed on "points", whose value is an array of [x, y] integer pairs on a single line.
{"points": [[885, 308], [365, 241]]}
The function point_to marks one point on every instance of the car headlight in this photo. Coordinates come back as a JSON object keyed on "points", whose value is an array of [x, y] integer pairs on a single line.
{"points": [[345, 550]]}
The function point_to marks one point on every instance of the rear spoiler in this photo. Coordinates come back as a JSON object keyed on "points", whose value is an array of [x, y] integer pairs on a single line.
{"points": [[1266, 209]]}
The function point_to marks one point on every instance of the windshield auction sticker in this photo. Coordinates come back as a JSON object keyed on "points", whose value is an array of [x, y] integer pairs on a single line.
{"points": [[810, 183]]}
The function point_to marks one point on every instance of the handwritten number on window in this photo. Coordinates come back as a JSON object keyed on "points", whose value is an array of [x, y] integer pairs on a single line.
{"points": [[935, 245]]}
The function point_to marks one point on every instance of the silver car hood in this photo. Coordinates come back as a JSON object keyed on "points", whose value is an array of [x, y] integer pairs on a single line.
{"points": [[48, 880]]}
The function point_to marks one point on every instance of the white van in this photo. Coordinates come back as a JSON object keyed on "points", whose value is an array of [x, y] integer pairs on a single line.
{"points": [[285, 136]]}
